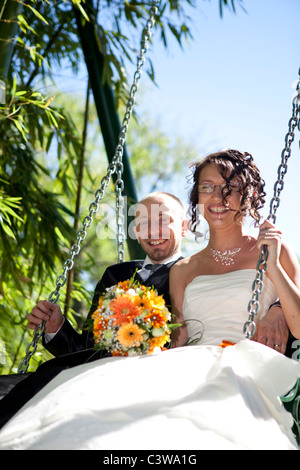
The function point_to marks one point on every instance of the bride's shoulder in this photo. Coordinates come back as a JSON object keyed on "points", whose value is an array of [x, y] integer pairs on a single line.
{"points": [[180, 266], [186, 265], [178, 275], [177, 269]]}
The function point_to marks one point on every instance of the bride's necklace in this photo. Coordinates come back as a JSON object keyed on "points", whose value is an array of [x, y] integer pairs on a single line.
{"points": [[225, 257]]}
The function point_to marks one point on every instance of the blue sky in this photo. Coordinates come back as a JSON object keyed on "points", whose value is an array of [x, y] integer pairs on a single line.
{"points": [[232, 86]]}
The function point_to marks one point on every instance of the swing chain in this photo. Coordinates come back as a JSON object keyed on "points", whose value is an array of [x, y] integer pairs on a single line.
{"points": [[68, 265], [257, 286], [116, 166], [31, 348], [120, 213], [285, 155], [146, 37]]}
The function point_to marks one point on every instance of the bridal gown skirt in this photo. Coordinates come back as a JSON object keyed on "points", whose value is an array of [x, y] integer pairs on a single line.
{"points": [[197, 397]]}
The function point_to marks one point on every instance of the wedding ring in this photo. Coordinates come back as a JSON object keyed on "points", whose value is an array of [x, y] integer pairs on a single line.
{"points": [[277, 346]]}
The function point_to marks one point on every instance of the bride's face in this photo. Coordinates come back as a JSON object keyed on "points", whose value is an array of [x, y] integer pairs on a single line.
{"points": [[211, 201]]}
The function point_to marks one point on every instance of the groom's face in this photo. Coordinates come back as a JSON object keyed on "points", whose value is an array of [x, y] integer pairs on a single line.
{"points": [[159, 227]]}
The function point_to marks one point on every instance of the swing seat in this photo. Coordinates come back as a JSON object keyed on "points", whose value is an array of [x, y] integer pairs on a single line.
{"points": [[291, 403], [8, 382]]}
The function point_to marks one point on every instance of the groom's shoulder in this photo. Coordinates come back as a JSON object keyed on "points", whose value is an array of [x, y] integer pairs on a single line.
{"points": [[118, 273], [125, 267]]}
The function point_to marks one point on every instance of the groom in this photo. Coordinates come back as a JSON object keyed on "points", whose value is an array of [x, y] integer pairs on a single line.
{"points": [[160, 226]]}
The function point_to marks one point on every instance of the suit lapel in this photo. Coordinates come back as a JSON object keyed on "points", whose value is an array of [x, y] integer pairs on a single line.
{"points": [[161, 273]]}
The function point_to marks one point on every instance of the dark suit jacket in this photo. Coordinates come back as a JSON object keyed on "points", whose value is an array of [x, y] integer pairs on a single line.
{"points": [[67, 340]]}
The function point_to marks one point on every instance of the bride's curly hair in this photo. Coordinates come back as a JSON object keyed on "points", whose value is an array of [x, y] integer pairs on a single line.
{"points": [[232, 164]]}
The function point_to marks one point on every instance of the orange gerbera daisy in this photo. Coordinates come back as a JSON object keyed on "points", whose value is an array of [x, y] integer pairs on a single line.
{"points": [[158, 342], [157, 300], [100, 325], [99, 308], [124, 285], [156, 318], [124, 310], [130, 335], [143, 302]]}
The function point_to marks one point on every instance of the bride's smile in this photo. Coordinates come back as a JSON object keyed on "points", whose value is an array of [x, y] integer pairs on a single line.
{"points": [[216, 209]]}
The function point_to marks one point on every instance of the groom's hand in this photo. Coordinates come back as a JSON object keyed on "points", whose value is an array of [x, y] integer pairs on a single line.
{"points": [[48, 312], [272, 330]]}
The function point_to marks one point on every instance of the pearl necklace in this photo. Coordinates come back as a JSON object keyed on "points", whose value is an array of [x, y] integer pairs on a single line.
{"points": [[226, 257]]}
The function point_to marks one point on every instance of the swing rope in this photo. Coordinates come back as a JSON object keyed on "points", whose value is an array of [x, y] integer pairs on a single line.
{"points": [[257, 286], [115, 167]]}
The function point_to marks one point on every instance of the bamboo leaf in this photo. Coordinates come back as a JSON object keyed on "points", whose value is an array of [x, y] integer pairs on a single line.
{"points": [[36, 13], [78, 4], [8, 230]]}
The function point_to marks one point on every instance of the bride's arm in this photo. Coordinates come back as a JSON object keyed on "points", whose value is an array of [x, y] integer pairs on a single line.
{"points": [[177, 288], [284, 271]]}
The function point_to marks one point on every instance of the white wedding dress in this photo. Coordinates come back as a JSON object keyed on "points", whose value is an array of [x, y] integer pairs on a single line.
{"points": [[215, 307], [190, 398]]}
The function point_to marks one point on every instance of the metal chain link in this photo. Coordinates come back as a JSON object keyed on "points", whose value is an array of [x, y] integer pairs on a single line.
{"points": [[257, 286], [146, 36], [116, 166], [285, 155]]}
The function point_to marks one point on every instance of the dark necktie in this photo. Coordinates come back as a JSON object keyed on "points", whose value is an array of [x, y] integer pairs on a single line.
{"points": [[148, 270]]}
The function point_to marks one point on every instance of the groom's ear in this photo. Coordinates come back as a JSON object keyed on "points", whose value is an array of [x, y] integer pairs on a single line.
{"points": [[136, 233]]}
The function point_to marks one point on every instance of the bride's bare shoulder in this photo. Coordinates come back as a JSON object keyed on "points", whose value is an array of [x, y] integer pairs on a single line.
{"points": [[186, 266], [182, 264]]}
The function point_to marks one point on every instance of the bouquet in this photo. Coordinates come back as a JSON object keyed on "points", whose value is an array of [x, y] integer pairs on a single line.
{"points": [[131, 320]]}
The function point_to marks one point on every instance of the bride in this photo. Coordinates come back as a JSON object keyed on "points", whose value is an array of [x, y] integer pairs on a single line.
{"points": [[197, 397], [215, 284]]}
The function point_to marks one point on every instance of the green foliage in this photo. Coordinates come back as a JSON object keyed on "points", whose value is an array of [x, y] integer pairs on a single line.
{"points": [[7, 206]]}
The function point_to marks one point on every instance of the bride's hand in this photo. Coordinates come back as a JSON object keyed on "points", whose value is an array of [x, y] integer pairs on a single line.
{"points": [[272, 330], [270, 236]]}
